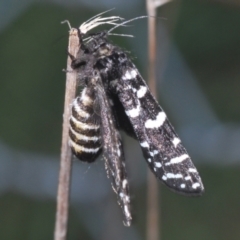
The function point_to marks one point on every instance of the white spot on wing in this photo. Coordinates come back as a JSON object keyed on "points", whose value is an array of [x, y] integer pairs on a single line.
{"points": [[144, 144], [188, 178], [134, 112], [124, 183], [193, 170], [141, 92], [155, 152], [158, 164], [164, 178], [158, 122], [183, 185], [134, 90], [129, 75], [133, 73], [196, 185], [121, 195], [118, 152], [171, 175], [126, 210], [176, 141], [177, 159]]}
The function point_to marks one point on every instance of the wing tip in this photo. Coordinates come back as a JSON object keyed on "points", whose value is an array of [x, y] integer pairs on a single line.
{"points": [[127, 222], [187, 188], [189, 191]]}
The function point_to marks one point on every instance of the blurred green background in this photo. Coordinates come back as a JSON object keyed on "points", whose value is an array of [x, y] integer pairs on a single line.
{"points": [[33, 48]]}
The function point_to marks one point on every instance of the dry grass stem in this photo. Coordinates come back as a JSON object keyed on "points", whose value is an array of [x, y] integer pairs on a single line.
{"points": [[153, 199], [63, 193]]}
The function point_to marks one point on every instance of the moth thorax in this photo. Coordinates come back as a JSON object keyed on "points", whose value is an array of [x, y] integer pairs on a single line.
{"points": [[105, 50]]}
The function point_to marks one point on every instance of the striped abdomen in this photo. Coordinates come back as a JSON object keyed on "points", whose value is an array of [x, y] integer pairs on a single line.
{"points": [[84, 132]]}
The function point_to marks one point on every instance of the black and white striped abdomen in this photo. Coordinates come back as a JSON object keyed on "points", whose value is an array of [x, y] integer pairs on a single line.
{"points": [[84, 131]]}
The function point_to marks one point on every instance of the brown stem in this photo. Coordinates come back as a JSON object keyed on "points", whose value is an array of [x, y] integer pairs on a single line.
{"points": [[61, 223], [153, 200]]}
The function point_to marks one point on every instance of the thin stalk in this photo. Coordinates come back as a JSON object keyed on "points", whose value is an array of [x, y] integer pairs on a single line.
{"points": [[61, 223], [153, 187], [153, 199]]}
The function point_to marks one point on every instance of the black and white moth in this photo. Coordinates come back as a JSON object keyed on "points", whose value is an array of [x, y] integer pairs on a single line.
{"points": [[115, 97]]}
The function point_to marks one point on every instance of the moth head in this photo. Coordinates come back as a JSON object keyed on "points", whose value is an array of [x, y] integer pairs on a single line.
{"points": [[98, 44], [104, 49]]}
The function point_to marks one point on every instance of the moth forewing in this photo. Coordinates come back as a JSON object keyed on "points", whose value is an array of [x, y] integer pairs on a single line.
{"points": [[113, 151]]}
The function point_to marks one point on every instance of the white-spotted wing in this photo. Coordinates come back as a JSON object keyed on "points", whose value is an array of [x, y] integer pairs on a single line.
{"points": [[161, 146]]}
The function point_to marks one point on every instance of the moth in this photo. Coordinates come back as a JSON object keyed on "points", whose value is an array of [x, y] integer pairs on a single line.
{"points": [[116, 97]]}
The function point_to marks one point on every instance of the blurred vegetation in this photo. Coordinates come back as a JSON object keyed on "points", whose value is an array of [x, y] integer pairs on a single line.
{"points": [[33, 52], [206, 33], [22, 218]]}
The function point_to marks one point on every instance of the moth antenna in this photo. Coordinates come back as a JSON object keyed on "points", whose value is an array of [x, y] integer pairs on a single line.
{"points": [[123, 23], [87, 26], [68, 23], [99, 14], [85, 39], [121, 35], [94, 17], [89, 39]]}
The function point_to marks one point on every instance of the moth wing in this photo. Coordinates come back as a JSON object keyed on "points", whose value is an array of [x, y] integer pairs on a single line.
{"points": [[113, 152], [161, 147], [122, 120]]}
